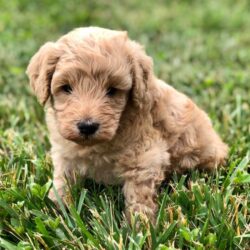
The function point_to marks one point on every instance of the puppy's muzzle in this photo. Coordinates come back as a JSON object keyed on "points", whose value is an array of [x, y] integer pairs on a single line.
{"points": [[87, 127]]}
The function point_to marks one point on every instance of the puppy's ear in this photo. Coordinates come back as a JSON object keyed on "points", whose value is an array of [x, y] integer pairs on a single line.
{"points": [[41, 69], [142, 74]]}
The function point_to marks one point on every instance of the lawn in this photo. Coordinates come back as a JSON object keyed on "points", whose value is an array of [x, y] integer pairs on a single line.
{"points": [[201, 48]]}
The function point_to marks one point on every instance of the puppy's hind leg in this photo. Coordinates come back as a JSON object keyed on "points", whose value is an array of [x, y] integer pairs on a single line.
{"points": [[199, 147], [213, 155]]}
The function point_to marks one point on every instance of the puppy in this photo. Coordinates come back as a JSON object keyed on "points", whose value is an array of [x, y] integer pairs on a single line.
{"points": [[112, 120]]}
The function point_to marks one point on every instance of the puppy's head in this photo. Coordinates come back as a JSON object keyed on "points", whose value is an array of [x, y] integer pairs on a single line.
{"points": [[89, 77]]}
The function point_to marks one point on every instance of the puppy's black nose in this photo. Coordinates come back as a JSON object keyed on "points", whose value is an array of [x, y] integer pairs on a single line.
{"points": [[87, 127]]}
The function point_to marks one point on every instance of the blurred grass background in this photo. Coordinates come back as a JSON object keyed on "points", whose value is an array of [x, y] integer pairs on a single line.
{"points": [[200, 47]]}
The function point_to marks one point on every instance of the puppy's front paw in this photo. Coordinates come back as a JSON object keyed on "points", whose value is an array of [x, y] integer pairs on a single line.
{"points": [[61, 194], [145, 212], [52, 195], [141, 198]]}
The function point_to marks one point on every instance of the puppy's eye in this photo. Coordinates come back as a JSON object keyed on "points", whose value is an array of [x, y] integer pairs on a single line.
{"points": [[66, 88], [111, 91]]}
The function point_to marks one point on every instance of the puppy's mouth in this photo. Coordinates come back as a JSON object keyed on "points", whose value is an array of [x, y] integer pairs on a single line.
{"points": [[87, 140]]}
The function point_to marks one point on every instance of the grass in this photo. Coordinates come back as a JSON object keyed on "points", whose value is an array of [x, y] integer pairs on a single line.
{"points": [[201, 48]]}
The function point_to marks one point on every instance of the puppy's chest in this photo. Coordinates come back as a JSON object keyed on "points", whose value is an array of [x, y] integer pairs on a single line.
{"points": [[102, 168]]}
